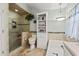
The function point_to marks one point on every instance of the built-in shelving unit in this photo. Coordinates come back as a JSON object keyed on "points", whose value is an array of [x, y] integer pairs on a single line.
{"points": [[42, 23], [42, 30]]}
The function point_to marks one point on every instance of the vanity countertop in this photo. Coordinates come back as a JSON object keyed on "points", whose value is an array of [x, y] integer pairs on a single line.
{"points": [[73, 48]]}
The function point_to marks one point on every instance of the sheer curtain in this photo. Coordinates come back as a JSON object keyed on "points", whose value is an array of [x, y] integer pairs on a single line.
{"points": [[72, 28], [76, 26], [69, 26]]}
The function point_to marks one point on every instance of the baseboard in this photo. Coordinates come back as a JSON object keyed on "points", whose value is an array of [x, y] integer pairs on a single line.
{"points": [[57, 32]]}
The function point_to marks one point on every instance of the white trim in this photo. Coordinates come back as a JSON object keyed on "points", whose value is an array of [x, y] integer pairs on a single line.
{"points": [[39, 34]]}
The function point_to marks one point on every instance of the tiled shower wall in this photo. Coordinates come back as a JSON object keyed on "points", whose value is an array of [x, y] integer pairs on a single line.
{"points": [[13, 32], [13, 41], [22, 26]]}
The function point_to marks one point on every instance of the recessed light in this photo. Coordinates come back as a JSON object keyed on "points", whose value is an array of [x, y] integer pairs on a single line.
{"points": [[16, 10]]}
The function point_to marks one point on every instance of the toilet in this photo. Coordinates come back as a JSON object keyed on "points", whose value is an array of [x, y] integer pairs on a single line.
{"points": [[32, 41]]}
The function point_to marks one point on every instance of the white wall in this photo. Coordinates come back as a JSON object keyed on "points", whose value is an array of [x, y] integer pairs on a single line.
{"points": [[56, 26], [32, 24], [53, 26], [4, 34]]}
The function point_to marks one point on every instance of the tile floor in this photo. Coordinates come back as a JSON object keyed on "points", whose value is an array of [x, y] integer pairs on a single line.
{"points": [[38, 51], [27, 52]]}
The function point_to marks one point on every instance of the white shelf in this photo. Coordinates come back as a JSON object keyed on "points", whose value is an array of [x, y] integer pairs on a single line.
{"points": [[42, 30]]}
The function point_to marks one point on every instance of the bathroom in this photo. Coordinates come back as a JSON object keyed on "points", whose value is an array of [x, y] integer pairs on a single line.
{"points": [[53, 36]]}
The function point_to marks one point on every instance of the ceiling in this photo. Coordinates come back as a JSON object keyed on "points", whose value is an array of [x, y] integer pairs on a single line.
{"points": [[46, 6], [14, 7]]}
